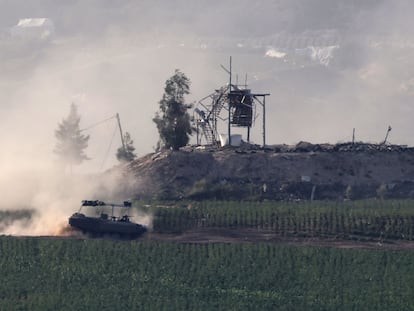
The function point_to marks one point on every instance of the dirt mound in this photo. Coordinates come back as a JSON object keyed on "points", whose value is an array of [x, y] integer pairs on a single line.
{"points": [[280, 172]]}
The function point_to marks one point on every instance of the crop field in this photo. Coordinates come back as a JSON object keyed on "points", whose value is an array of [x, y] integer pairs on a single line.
{"points": [[371, 219], [83, 274], [158, 273]]}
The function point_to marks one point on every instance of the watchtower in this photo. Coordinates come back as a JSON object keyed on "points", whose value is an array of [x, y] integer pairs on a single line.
{"points": [[233, 104]]}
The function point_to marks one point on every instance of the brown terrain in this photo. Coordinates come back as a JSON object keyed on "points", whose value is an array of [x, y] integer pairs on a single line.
{"points": [[280, 172], [220, 235]]}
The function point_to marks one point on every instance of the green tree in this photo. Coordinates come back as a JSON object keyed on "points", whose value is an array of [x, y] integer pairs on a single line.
{"points": [[172, 120], [71, 143], [126, 154]]}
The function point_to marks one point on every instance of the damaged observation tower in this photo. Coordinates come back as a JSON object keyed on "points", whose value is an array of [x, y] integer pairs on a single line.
{"points": [[233, 105]]}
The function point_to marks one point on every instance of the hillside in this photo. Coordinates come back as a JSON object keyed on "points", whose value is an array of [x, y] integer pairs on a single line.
{"points": [[277, 173]]}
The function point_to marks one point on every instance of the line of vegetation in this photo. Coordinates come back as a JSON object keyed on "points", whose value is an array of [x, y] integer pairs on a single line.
{"points": [[374, 219], [42, 274]]}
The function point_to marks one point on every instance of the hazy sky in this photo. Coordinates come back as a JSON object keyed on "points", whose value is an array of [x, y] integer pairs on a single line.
{"points": [[114, 56], [330, 66]]}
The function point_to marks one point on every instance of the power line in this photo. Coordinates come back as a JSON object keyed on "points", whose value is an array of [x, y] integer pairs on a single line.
{"points": [[98, 123]]}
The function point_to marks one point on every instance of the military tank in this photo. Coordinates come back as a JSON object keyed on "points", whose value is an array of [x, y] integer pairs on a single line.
{"points": [[104, 225]]}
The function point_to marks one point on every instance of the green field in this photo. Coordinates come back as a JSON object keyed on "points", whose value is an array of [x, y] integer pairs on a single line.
{"points": [[42, 274], [356, 220], [371, 219], [100, 274]]}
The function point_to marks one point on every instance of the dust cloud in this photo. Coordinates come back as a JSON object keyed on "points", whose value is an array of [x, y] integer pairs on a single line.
{"points": [[112, 58], [52, 196]]}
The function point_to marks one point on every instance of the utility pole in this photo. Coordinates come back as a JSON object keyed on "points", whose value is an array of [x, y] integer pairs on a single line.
{"points": [[229, 121], [386, 135], [264, 121], [120, 130], [353, 135]]}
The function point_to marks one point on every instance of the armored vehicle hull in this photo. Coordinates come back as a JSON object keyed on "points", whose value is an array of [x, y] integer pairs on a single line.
{"points": [[104, 225]]}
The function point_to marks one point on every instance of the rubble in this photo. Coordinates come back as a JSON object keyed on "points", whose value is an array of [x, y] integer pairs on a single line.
{"points": [[304, 146], [340, 147]]}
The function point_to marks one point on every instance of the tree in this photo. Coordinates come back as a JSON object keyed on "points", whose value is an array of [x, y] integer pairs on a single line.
{"points": [[126, 154], [71, 143], [172, 120]]}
